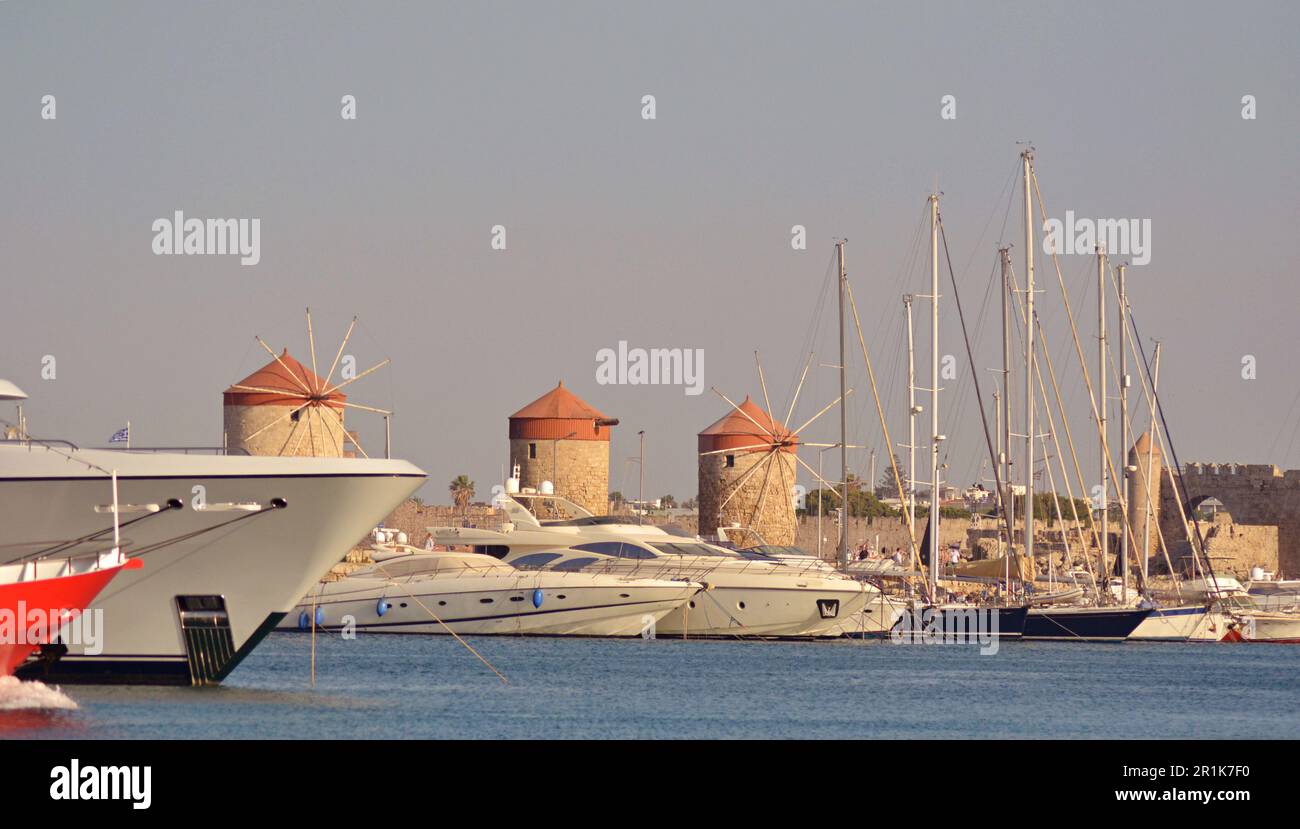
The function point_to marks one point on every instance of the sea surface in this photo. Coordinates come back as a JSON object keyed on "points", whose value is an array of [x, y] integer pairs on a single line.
{"points": [[396, 687]]}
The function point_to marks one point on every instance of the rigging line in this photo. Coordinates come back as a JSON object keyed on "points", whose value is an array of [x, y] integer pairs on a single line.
{"points": [[50, 447], [1083, 365], [416, 599], [984, 420], [1291, 414], [1173, 453], [150, 548], [1018, 319], [52, 552], [957, 414], [893, 460]]}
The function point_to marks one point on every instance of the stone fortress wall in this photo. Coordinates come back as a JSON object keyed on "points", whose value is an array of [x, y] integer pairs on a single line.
{"points": [[1262, 527]]}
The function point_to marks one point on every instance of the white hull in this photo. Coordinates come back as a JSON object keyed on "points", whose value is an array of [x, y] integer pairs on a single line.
{"points": [[876, 618], [572, 604], [259, 566], [776, 605], [1282, 628], [742, 597], [1181, 624]]}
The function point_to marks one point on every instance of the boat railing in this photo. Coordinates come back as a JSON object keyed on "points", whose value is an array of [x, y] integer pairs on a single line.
{"points": [[176, 450], [46, 443]]}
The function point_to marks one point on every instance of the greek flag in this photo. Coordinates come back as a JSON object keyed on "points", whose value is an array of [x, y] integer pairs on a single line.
{"points": [[121, 436]]}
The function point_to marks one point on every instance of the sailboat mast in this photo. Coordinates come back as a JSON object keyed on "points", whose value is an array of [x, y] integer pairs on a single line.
{"points": [[844, 428], [911, 420], [1123, 427], [1148, 508], [935, 437], [1027, 157], [1102, 500], [1004, 457]]}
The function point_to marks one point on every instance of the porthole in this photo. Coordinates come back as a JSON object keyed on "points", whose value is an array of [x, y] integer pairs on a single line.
{"points": [[403, 604], [624, 596], [441, 604], [692, 604], [740, 605], [485, 601], [516, 598], [561, 596]]}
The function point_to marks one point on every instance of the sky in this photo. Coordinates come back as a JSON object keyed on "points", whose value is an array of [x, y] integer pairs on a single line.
{"points": [[671, 232]]}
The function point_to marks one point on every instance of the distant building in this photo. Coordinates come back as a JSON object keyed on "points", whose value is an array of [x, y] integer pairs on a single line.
{"points": [[562, 439]]}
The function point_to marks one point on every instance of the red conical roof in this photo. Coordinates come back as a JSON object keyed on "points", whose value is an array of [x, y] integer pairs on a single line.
{"points": [[286, 382], [559, 415], [734, 431]]}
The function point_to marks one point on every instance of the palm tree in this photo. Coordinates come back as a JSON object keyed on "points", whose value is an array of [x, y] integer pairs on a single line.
{"points": [[462, 490]]}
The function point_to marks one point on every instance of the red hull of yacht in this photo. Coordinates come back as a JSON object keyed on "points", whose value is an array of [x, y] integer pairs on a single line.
{"points": [[65, 593], [1237, 636]]}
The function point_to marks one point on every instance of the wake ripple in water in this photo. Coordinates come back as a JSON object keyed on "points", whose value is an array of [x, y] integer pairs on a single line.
{"points": [[17, 695]]}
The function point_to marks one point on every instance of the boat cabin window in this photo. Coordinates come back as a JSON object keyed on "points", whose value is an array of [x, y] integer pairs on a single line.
{"points": [[535, 559], [494, 550], [574, 564], [615, 548]]}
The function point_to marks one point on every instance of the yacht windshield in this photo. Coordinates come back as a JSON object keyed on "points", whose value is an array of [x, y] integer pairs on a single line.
{"points": [[778, 550], [683, 548]]}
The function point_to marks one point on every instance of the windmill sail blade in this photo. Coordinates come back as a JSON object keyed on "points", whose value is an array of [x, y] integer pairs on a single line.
{"points": [[762, 382], [740, 483], [820, 479], [286, 368], [279, 419], [311, 343], [282, 392], [351, 405], [375, 367], [827, 408], [329, 377], [790, 412]]}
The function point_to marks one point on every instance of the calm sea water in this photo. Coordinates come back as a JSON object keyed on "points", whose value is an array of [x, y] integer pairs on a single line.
{"points": [[430, 686]]}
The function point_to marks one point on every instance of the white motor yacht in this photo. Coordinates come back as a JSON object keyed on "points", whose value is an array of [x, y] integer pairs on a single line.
{"points": [[412, 591], [229, 544], [742, 595]]}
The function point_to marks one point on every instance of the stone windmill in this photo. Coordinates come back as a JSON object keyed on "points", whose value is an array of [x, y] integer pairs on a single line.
{"points": [[285, 408], [748, 464]]}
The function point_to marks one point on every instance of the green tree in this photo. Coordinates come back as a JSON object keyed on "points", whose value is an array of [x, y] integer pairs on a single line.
{"points": [[462, 491]]}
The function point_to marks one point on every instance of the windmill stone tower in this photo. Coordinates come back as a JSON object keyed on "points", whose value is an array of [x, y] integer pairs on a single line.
{"points": [[747, 475], [1139, 504], [284, 408], [561, 438]]}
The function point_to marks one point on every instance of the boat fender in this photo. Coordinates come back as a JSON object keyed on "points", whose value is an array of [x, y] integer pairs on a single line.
{"points": [[381, 607], [320, 616], [303, 618], [537, 597]]}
